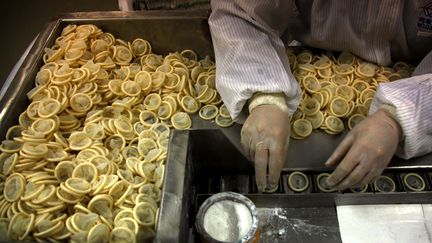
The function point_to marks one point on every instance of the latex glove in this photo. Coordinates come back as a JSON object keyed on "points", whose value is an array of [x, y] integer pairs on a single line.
{"points": [[265, 137], [365, 152]]}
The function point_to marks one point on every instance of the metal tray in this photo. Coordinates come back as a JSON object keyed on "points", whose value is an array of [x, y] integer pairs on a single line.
{"points": [[203, 161], [206, 151], [167, 31]]}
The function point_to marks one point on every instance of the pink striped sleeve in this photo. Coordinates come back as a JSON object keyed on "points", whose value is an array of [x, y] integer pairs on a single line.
{"points": [[412, 98], [249, 53]]}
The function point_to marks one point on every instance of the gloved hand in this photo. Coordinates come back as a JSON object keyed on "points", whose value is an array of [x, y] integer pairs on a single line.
{"points": [[265, 137], [365, 152]]}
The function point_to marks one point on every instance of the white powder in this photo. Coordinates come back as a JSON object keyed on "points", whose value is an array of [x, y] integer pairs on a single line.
{"points": [[227, 221]]}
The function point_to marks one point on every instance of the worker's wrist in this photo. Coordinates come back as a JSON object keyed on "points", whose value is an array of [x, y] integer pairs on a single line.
{"points": [[391, 113], [277, 99]]}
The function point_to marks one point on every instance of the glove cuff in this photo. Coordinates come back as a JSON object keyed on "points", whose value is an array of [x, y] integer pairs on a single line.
{"points": [[390, 110], [277, 99]]}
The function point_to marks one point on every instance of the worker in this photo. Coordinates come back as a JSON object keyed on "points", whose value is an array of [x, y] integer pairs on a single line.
{"points": [[254, 79]]}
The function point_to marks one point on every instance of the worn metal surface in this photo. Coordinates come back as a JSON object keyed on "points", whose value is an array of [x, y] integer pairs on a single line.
{"points": [[215, 165], [311, 153], [199, 158], [174, 210], [298, 225]]}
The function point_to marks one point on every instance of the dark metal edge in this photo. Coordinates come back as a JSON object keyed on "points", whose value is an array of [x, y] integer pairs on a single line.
{"points": [[172, 214], [154, 14]]}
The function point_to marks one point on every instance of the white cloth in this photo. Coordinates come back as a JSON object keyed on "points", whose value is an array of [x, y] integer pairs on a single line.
{"points": [[249, 36], [385, 223]]}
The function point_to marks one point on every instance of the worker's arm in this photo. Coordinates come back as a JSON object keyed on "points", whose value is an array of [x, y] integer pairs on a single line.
{"points": [[400, 121], [412, 98], [252, 66], [249, 53]]}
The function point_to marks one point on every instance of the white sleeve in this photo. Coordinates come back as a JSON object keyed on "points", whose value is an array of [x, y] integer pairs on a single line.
{"points": [[412, 98], [125, 5], [249, 53]]}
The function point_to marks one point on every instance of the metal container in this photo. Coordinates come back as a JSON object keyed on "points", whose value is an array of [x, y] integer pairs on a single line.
{"points": [[227, 217], [204, 160], [205, 169], [321, 182], [359, 189], [414, 182], [298, 181], [384, 184], [167, 31]]}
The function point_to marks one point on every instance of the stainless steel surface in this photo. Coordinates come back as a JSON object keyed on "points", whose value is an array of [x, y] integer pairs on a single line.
{"points": [[311, 153], [205, 159], [23, 20], [14, 71], [298, 225], [173, 212], [215, 165]]}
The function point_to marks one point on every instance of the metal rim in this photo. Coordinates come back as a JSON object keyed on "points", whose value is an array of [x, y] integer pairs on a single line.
{"points": [[271, 190], [320, 187], [290, 182], [405, 181], [268, 189], [388, 179], [363, 189], [236, 197]]}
